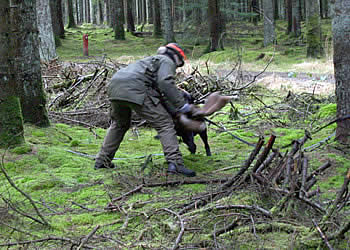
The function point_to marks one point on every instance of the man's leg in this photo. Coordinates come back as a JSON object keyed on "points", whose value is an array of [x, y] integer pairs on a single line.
{"points": [[161, 120], [121, 119]]}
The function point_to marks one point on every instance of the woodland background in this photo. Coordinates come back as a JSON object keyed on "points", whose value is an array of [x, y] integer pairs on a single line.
{"points": [[279, 174]]}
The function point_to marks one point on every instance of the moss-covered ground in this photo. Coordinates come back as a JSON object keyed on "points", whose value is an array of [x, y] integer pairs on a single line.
{"points": [[55, 166]]}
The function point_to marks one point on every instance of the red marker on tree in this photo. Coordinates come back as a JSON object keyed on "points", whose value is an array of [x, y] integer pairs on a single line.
{"points": [[85, 45]]}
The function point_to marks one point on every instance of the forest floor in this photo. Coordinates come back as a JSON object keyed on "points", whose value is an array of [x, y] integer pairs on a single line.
{"points": [[243, 197]]}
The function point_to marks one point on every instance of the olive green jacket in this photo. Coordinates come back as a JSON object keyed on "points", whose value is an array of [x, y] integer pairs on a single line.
{"points": [[157, 72]]}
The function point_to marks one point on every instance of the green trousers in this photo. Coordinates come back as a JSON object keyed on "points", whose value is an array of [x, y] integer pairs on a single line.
{"points": [[151, 111]]}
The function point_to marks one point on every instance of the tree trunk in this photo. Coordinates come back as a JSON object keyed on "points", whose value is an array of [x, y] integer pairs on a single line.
{"points": [[27, 68], [214, 22], [167, 18], [11, 123], [269, 23], [255, 11], [129, 17], [313, 29], [341, 42], [296, 29], [289, 16], [47, 48], [157, 26], [117, 19], [71, 22], [57, 19]]}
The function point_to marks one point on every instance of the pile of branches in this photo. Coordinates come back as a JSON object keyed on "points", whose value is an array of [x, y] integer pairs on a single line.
{"points": [[77, 91], [287, 177]]}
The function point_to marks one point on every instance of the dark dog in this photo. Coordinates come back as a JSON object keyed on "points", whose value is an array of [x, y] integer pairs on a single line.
{"points": [[188, 136]]}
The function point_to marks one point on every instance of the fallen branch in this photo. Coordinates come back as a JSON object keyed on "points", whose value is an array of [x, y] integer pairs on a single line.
{"points": [[323, 236], [86, 239], [182, 226]]}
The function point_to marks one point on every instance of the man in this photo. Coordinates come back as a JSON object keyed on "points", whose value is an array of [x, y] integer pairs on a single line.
{"points": [[148, 87]]}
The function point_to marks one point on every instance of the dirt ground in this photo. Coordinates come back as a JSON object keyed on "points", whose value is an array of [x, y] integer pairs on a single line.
{"points": [[299, 82]]}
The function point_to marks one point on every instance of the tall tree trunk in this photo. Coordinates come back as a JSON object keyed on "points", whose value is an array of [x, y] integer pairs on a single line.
{"points": [[157, 26], [100, 11], [341, 59], [167, 19], [289, 15], [71, 22], [117, 14], [129, 17], [47, 48], [313, 29], [11, 123], [214, 23], [255, 11], [57, 19], [197, 13], [296, 29], [269, 23], [30, 91]]}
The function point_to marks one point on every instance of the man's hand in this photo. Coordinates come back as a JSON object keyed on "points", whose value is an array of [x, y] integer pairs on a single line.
{"points": [[191, 110]]}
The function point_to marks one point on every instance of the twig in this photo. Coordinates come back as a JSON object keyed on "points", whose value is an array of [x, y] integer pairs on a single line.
{"points": [[50, 238], [137, 189], [318, 171], [43, 220], [182, 225], [184, 182], [225, 130], [323, 236], [86, 239]]}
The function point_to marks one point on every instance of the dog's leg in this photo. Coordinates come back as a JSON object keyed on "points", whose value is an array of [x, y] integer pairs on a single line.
{"points": [[204, 137], [188, 139]]}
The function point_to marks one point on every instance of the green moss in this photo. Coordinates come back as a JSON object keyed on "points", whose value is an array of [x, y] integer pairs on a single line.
{"points": [[23, 149], [327, 111], [11, 122]]}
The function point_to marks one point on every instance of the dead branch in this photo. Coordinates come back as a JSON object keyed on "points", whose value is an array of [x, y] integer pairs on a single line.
{"points": [[226, 229], [318, 171], [184, 182], [135, 190], [27, 196], [264, 153], [323, 236], [182, 226], [340, 233], [245, 166], [340, 195], [50, 238], [86, 239]]}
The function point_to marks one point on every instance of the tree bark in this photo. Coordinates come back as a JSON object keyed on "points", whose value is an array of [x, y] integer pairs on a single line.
{"points": [[129, 17], [117, 19], [341, 42], [28, 75], [71, 21], [57, 19], [296, 29], [157, 26], [269, 23], [214, 24], [167, 19], [47, 48], [11, 123]]}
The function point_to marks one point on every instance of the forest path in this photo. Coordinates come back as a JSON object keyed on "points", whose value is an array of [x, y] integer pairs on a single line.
{"points": [[323, 84]]}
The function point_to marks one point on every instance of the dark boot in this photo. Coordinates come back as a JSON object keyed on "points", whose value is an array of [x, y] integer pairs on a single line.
{"points": [[180, 169], [99, 165]]}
